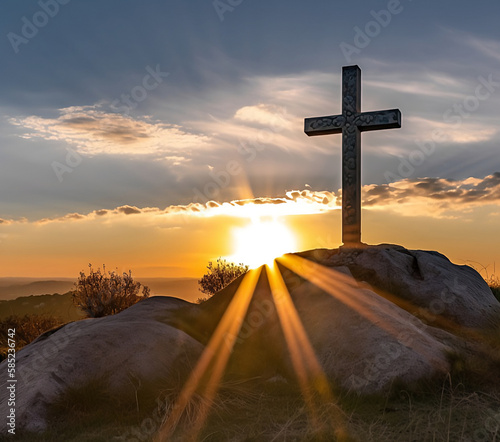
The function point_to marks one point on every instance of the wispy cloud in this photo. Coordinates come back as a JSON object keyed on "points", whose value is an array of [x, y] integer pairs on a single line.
{"points": [[433, 84], [473, 130], [94, 131], [490, 48]]}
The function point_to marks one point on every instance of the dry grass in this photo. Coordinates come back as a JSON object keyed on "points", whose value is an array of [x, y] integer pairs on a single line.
{"points": [[463, 406], [494, 284], [275, 411], [27, 329], [451, 413]]}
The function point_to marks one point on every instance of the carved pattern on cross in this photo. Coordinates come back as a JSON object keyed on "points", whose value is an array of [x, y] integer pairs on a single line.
{"points": [[350, 124]]}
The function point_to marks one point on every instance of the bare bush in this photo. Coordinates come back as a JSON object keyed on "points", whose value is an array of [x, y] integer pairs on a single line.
{"points": [[102, 294]]}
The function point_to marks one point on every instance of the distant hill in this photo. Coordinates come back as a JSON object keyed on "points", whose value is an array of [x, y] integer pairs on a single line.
{"points": [[31, 296], [11, 288], [52, 305]]}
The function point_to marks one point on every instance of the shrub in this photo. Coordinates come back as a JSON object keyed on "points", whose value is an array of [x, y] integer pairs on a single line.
{"points": [[496, 291], [494, 283], [101, 294], [27, 327], [219, 276]]}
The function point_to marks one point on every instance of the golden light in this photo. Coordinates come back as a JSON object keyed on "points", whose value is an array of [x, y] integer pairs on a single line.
{"points": [[347, 290], [305, 363], [205, 378], [261, 242]]}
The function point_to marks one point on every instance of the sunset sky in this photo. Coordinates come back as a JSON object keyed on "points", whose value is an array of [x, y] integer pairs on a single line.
{"points": [[158, 135]]}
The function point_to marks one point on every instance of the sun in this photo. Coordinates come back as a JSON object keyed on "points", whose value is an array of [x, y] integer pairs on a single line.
{"points": [[260, 242]]}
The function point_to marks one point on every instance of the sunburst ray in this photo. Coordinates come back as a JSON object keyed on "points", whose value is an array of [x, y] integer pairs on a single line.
{"points": [[207, 374]]}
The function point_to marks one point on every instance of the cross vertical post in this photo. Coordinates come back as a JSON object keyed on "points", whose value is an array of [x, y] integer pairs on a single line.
{"points": [[350, 124]]}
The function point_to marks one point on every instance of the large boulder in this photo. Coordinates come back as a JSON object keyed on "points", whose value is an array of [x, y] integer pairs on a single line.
{"points": [[127, 353], [423, 282], [362, 341], [370, 317]]}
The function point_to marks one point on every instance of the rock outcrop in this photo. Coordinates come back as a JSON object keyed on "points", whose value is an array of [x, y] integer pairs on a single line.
{"points": [[362, 341], [130, 352], [423, 282], [372, 317], [365, 343]]}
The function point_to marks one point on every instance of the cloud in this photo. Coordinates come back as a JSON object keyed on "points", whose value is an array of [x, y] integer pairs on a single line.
{"points": [[128, 210], [94, 131], [67, 217], [433, 84], [430, 197], [473, 130], [435, 197], [490, 48], [265, 115], [294, 203]]}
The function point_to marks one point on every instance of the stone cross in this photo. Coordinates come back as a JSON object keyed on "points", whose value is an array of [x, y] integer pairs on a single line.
{"points": [[351, 123]]}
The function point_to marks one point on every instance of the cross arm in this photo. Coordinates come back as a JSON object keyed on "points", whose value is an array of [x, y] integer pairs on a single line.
{"points": [[387, 119], [324, 125]]}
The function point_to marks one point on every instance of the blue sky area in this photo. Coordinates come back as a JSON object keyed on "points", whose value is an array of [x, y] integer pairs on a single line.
{"points": [[130, 132], [233, 68]]}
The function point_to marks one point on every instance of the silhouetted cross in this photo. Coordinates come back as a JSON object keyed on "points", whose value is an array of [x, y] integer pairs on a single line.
{"points": [[351, 123]]}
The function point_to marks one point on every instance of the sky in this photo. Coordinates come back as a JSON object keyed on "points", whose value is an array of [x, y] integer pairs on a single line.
{"points": [[156, 136]]}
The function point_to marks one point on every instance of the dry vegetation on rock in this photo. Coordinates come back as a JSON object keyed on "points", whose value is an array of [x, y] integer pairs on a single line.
{"points": [[461, 406], [218, 276], [441, 410], [104, 293], [464, 405], [27, 328]]}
